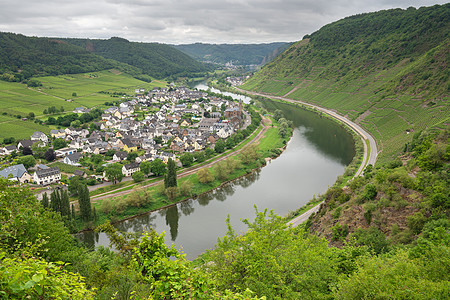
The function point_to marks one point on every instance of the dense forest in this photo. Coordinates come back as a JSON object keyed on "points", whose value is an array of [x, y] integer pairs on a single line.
{"points": [[156, 60], [238, 54], [22, 57]]}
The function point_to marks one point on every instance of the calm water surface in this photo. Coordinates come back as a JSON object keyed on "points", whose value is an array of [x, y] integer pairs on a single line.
{"points": [[317, 153]]}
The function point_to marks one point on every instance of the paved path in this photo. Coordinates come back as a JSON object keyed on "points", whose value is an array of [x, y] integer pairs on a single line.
{"points": [[304, 216], [370, 154], [183, 173]]}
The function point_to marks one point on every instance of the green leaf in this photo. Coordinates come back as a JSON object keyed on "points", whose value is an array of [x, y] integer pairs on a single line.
{"points": [[37, 277]]}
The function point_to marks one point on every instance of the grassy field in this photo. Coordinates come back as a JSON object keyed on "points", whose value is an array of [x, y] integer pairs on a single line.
{"points": [[17, 100]]}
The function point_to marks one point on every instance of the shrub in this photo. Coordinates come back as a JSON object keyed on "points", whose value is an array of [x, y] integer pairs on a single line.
{"points": [[339, 232]]}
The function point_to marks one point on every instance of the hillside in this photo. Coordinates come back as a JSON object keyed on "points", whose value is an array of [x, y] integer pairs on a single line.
{"points": [[156, 60], [22, 57], [239, 54], [385, 70]]}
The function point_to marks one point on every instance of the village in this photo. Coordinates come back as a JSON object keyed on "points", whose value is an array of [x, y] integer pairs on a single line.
{"points": [[160, 124]]}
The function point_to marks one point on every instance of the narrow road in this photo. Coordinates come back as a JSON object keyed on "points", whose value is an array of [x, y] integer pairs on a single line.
{"points": [[185, 172], [370, 154]]}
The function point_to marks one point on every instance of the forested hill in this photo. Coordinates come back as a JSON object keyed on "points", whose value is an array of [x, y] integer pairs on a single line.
{"points": [[386, 70], [156, 60], [22, 57], [239, 54]]}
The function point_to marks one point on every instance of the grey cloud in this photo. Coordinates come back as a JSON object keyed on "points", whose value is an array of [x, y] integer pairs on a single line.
{"points": [[184, 21]]}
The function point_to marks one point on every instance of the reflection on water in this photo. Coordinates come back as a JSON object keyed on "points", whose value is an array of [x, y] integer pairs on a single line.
{"points": [[317, 153]]}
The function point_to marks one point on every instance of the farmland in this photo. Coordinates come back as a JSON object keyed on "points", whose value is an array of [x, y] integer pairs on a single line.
{"points": [[17, 100]]}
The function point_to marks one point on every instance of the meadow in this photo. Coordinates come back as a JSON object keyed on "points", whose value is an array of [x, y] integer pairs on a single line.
{"points": [[91, 89]]}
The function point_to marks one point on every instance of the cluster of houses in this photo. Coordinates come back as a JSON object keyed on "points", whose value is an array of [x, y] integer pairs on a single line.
{"points": [[237, 81], [184, 120]]}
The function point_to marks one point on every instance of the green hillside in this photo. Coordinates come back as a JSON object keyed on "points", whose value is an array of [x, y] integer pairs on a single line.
{"points": [[156, 60], [385, 70], [92, 89], [239, 54], [22, 57]]}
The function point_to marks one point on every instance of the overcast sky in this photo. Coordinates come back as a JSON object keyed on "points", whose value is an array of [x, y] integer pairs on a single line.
{"points": [[185, 21]]}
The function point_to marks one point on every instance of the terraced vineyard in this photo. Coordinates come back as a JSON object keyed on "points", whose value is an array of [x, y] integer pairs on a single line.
{"points": [[388, 78]]}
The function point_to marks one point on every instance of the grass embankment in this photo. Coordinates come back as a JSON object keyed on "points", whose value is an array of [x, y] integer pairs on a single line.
{"points": [[92, 89], [144, 199]]}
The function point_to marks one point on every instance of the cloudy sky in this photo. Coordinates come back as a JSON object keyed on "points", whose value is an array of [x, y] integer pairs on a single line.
{"points": [[184, 21]]}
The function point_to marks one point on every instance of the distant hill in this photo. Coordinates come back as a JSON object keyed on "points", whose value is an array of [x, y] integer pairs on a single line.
{"points": [[156, 60], [238, 54], [22, 57], [387, 70]]}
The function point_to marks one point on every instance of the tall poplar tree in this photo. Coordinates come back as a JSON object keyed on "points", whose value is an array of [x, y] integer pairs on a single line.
{"points": [[44, 200], [170, 180], [55, 198], [65, 204], [84, 201]]}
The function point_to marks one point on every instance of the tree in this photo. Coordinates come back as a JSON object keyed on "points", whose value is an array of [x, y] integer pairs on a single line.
{"points": [[74, 183], [186, 188], [158, 167], [199, 156], [27, 151], [44, 200], [9, 140], [138, 176], [145, 167], [219, 147], [55, 198], [50, 155], [131, 156], [76, 123], [84, 202], [114, 172], [249, 154], [269, 258], [204, 175], [278, 114], [59, 143], [170, 180], [187, 159], [65, 203], [28, 161], [74, 94]]}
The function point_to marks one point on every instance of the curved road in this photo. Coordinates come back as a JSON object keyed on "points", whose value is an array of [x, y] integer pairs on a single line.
{"points": [[370, 154]]}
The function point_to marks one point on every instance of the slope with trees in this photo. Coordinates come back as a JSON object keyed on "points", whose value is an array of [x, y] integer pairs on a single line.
{"points": [[239, 54], [154, 59], [22, 57], [385, 70]]}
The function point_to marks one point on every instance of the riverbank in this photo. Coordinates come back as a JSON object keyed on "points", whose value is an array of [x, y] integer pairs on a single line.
{"points": [[362, 139], [146, 198]]}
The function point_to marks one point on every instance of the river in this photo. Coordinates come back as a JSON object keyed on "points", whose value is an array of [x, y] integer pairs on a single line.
{"points": [[318, 152]]}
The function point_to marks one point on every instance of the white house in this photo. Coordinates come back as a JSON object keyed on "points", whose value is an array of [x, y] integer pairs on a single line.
{"points": [[129, 169], [65, 151], [47, 176], [39, 136], [73, 159]]}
